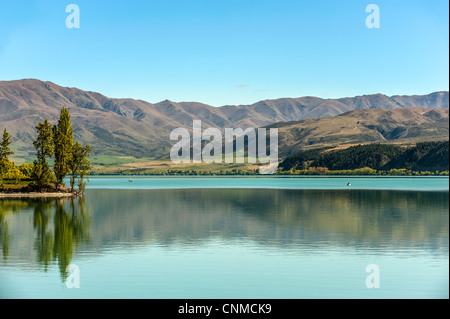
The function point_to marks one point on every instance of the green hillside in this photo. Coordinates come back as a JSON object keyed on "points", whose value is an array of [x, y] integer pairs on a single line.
{"points": [[426, 156]]}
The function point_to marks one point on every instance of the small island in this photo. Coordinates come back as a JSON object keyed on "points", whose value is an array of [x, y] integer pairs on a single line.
{"points": [[55, 143]]}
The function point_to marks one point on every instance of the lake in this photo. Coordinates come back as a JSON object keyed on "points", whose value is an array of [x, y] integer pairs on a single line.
{"points": [[229, 237]]}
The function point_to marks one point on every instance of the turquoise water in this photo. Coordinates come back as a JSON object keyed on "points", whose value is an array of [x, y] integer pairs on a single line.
{"points": [[231, 238], [376, 183]]}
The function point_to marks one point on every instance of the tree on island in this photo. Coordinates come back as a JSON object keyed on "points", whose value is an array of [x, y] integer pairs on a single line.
{"points": [[63, 144], [42, 175], [5, 151], [69, 156], [79, 166]]}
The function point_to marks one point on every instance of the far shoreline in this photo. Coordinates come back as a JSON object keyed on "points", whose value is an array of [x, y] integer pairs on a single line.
{"points": [[264, 176]]}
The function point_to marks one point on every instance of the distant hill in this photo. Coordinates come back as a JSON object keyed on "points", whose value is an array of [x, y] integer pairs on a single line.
{"points": [[426, 156], [364, 126], [128, 127]]}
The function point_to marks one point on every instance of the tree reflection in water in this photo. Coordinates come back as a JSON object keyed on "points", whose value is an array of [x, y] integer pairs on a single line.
{"points": [[60, 226]]}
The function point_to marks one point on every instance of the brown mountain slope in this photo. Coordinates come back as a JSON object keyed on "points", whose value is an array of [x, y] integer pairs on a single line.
{"points": [[364, 126], [111, 126], [46, 96], [137, 128]]}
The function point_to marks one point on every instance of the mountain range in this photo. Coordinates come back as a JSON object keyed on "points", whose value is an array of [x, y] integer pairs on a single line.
{"points": [[129, 127], [402, 125]]}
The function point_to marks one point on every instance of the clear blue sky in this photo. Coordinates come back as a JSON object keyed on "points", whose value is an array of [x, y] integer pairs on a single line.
{"points": [[228, 51]]}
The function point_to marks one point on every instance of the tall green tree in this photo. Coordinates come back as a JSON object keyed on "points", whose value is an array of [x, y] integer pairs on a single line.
{"points": [[79, 166], [5, 151], [43, 144], [63, 143]]}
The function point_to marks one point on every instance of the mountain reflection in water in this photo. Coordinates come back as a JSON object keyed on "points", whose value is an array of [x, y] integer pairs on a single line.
{"points": [[304, 220]]}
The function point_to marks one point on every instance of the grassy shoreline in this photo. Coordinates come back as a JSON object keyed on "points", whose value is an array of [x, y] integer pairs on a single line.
{"points": [[132, 176], [283, 173]]}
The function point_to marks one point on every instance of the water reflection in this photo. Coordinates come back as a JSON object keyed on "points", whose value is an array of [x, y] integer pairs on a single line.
{"points": [[309, 221], [301, 218], [60, 225]]}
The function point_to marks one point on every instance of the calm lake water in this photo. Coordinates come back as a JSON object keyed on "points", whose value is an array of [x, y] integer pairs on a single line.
{"points": [[230, 238]]}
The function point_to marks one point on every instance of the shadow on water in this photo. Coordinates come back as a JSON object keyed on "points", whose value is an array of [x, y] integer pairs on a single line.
{"points": [[60, 225]]}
